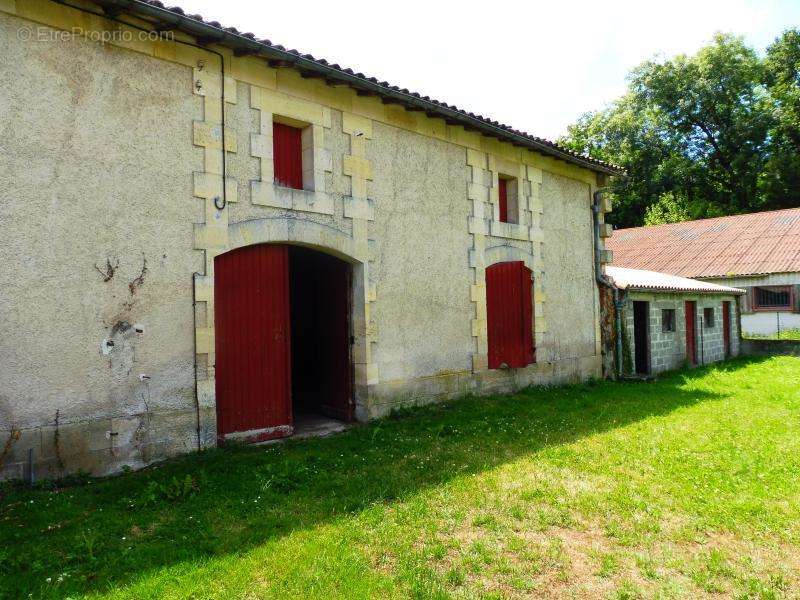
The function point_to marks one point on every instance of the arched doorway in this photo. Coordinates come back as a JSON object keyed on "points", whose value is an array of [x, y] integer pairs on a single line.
{"points": [[283, 340]]}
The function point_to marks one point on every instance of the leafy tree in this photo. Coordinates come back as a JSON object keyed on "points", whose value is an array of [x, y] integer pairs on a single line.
{"points": [[780, 182], [705, 135], [783, 80], [669, 208], [635, 138]]}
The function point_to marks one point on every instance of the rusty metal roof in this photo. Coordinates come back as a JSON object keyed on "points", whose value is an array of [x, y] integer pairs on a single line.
{"points": [[212, 32], [639, 279], [752, 244]]}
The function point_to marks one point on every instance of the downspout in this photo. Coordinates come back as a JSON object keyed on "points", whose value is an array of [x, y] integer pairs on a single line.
{"points": [[603, 280], [111, 17]]}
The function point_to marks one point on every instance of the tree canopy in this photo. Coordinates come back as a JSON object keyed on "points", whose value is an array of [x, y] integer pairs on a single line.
{"points": [[711, 134]]}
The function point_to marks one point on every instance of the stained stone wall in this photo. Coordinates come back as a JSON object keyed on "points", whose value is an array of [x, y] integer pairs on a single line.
{"points": [[123, 187]]}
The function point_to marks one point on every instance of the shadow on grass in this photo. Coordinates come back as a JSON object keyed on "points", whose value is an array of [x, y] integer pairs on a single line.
{"points": [[108, 532]]}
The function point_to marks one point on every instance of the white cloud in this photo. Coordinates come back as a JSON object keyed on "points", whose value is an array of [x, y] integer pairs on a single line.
{"points": [[534, 65]]}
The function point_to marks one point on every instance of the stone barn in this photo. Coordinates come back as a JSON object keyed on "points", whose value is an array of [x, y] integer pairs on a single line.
{"points": [[207, 237], [669, 322]]}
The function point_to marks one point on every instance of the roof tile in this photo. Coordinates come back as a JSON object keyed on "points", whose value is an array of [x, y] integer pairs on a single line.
{"points": [[561, 150], [639, 279], [751, 244]]}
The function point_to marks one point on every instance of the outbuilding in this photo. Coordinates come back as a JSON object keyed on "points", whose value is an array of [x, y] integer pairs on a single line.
{"points": [[670, 321], [210, 237], [757, 252]]}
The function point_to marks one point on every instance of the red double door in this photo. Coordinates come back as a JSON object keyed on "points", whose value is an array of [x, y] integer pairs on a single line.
{"points": [[259, 292]]}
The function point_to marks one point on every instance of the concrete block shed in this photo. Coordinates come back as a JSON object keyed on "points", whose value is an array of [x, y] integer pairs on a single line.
{"points": [[211, 237], [757, 252], [669, 322]]}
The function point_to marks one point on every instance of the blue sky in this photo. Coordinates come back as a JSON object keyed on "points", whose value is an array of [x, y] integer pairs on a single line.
{"points": [[536, 66]]}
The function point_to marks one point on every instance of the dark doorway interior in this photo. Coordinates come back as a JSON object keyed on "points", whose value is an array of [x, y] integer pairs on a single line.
{"points": [[641, 336], [319, 298]]}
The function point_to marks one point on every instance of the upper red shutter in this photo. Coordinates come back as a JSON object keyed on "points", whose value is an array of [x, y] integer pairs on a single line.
{"points": [[287, 152], [509, 314], [502, 188]]}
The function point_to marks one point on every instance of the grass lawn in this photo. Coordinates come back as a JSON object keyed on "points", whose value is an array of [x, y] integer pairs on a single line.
{"points": [[785, 334], [685, 487]]}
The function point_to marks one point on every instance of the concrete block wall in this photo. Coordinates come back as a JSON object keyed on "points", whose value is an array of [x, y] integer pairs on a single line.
{"points": [[668, 348]]}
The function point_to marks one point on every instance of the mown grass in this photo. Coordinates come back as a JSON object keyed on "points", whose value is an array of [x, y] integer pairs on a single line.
{"points": [[686, 487], [785, 334]]}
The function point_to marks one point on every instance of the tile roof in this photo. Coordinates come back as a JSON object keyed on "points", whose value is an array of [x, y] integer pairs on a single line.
{"points": [[752, 244], [639, 279], [214, 32]]}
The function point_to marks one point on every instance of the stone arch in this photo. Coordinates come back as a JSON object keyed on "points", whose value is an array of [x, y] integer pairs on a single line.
{"points": [[286, 230], [276, 230], [497, 254]]}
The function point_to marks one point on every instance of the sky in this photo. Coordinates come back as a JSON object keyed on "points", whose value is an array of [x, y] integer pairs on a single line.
{"points": [[536, 66]]}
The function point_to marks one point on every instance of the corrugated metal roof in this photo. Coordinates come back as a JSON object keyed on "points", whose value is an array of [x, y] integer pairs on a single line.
{"points": [[752, 244], [247, 43], [639, 279]]}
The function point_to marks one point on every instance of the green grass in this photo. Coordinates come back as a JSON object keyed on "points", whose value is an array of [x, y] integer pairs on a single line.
{"points": [[786, 334], [683, 487]]}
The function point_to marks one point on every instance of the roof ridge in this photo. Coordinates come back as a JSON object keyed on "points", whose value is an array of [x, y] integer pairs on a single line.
{"points": [[678, 223], [746, 244]]}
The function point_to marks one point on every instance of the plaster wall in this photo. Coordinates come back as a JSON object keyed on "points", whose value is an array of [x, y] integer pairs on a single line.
{"points": [[765, 322], [421, 246], [570, 309], [96, 162], [768, 279], [769, 322]]}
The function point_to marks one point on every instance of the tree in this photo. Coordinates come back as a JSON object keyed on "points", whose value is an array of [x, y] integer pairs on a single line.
{"points": [[669, 208], [702, 135], [635, 138], [780, 182]]}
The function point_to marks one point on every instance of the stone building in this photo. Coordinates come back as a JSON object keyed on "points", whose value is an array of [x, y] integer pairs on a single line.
{"points": [[208, 236], [758, 252], [670, 321]]}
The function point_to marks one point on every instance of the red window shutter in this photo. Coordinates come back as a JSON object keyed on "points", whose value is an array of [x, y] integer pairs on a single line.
{"points": [[502, 188], [509, 313], [287, 152]]}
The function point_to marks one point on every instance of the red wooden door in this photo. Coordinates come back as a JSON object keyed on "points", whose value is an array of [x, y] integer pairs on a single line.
{"points": [[690, 308], [726, 326], [253, 362], [509, 315]]}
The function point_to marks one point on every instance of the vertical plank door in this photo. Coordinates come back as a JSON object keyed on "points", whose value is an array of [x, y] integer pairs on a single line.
{"points": [[252, 338]]}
